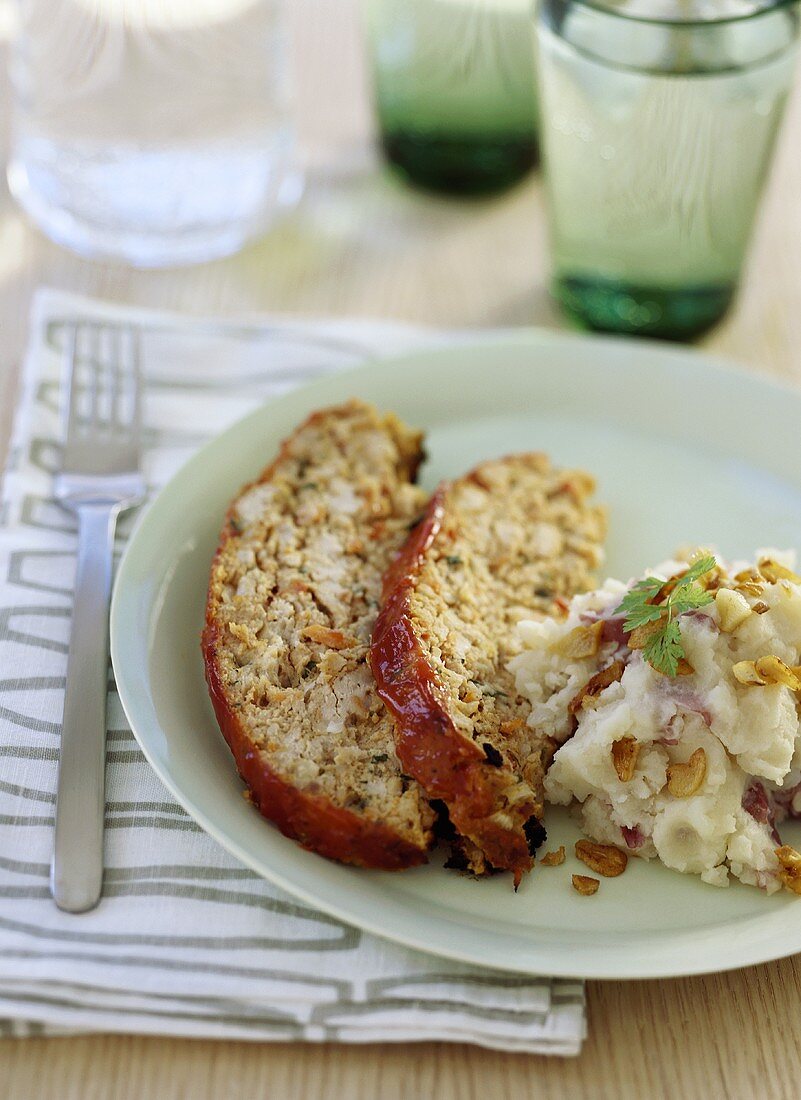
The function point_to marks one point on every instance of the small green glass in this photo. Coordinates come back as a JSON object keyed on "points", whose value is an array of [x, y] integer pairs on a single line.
{"points": [[659, 121], [455, 91]]}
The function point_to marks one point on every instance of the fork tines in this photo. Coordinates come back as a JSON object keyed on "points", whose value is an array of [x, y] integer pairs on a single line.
{"points": [[104, 405]]}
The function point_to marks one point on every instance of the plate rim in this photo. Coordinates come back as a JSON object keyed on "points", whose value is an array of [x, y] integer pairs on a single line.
{"points": [[653, 355]]}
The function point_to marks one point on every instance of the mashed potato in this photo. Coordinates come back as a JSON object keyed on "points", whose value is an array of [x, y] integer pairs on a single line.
{"points": [[696, 769]]}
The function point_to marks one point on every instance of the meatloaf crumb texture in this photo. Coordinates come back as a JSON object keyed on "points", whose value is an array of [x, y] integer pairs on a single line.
{"points": [[507, 541], [292, 601]]}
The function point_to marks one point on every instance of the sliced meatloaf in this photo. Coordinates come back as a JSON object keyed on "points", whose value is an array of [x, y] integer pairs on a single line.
{"points": [[292, 600], [511, 539]]}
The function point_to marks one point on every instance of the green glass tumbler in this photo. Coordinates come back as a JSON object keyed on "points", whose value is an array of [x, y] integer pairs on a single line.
{"points": [[659, 121], [455, 91]]}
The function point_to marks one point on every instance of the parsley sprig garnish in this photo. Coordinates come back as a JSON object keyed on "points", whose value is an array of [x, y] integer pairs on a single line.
{"points": [[655, 601]]}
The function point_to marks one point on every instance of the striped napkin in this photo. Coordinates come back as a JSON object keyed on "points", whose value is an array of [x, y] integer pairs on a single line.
{"points": [[186, 941]]}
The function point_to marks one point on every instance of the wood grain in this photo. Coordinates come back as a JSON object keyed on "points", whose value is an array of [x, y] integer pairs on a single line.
{"points": [[361, 244]]}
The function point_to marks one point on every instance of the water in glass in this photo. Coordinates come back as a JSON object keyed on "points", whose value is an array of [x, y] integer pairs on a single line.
{"points": [[657, 138], [152, 130]]}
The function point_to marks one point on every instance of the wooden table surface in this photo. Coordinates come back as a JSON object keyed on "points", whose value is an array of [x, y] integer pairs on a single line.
{"points": [[362, 244]]}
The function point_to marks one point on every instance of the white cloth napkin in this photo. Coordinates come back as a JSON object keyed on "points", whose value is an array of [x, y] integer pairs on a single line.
{"points": [[186, 941]]}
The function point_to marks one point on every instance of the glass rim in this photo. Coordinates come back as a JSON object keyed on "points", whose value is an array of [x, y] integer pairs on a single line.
{"points": [[648, 21]]}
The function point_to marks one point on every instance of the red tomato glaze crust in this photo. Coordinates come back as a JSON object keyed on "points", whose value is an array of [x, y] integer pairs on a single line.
{"points": [[448, 765]]}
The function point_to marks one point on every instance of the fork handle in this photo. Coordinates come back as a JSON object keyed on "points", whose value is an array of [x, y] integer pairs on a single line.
{"points": [[76, 877]]}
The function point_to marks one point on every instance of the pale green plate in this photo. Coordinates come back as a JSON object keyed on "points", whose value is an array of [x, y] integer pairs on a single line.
{"points": [[685, 450]]}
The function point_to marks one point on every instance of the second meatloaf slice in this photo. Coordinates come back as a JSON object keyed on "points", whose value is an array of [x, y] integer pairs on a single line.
{"points": [[292, 601], [510, 539]]}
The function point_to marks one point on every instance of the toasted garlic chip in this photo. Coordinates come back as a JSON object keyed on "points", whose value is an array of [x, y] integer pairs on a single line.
{"points": [[638, 638], [594, 686], [790, 873], [732, 608], [585, 885], [775, 671], [745, 672], [749, 582], [748, 576], [684, 780], [602, 858], [624, 757], [553, 859], [774, 571], [584, 641], [767, 670]]}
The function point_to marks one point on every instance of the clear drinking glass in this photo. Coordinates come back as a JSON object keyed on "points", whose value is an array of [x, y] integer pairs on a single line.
{"points": [[152, 130], [455, 90], [658, 122]]}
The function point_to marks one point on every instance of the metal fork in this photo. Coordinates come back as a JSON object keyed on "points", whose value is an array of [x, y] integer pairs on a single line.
{"points": [[99, 479]]}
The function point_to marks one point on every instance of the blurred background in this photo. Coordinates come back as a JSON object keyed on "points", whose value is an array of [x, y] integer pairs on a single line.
{"points": [[362, 242]]}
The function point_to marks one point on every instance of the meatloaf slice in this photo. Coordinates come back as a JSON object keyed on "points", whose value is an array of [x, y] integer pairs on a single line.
{"points": [[292, 600], [511, 539]]}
